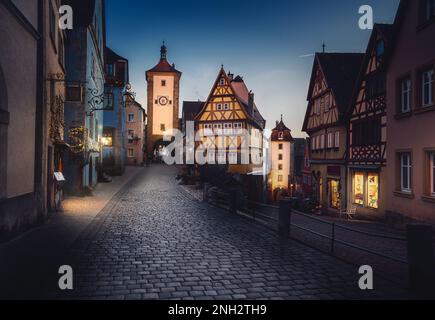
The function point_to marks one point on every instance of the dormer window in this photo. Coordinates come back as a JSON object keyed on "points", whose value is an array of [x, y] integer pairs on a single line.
{"points": [[281, 136], [380, 48], [110, 70]]}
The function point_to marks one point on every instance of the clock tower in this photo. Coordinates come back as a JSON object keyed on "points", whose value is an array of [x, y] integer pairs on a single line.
{"points": [[163, 101]]}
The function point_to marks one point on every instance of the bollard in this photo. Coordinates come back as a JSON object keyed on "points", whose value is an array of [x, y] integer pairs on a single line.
{"points": [[285, 207], [421, 259]]}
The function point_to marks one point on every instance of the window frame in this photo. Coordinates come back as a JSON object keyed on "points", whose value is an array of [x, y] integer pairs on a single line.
{"points": [[365, 188], [337, 139], [110, 101], [228, 128], [378, 46], [330, 144], [128, 118], [237, 128], [409, 95], [217, 128], [110, 69], [130, 137], [132, 153], [208, 129], [408, 167], [431, 84]]}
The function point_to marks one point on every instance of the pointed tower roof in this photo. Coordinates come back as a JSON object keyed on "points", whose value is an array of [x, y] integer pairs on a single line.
{"points": [[281, 132], [164, 65]]}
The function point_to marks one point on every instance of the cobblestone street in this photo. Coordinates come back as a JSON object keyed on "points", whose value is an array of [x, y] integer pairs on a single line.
{"points": [[155, 241]]}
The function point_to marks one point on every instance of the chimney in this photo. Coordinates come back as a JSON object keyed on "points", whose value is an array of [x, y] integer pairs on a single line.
{"points": [[251, 103], [230, 76]]}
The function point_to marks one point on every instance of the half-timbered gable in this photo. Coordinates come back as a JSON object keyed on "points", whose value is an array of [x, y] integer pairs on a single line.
{"points": [[322, 110], [331, 87], [368, 120], [367, 134], [228, 111], [332, 83]]}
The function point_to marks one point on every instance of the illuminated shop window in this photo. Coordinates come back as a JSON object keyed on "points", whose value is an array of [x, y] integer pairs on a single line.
{"points": [[373, 191], [358, 188], [366, 189]]}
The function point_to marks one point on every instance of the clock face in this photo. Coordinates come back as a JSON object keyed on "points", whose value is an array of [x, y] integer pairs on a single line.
{"points": [[163, 101]]}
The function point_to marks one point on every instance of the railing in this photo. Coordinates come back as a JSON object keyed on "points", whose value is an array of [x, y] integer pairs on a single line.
{"points": [[414, 268], [330, 236], [257, 212], [333, 239]]}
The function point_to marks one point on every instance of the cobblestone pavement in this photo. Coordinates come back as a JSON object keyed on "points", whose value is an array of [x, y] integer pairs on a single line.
{"points": [[157, 242], [30, 262]]}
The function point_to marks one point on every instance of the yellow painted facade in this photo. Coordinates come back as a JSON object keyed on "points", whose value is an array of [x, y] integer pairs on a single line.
{"points": [[221, 123]]}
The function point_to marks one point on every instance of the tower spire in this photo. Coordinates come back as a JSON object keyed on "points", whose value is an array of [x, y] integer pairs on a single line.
{"points": [[163, 51]]}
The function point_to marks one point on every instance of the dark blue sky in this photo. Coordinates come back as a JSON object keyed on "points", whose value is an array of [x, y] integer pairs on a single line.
{"points": [[263, 41]]}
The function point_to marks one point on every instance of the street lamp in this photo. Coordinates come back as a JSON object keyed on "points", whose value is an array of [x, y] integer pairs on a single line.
{"points": [[106, 141]]}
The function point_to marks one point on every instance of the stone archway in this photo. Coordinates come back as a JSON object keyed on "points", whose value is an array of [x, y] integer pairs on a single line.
{"points": [[158, 149], [4, 122]]}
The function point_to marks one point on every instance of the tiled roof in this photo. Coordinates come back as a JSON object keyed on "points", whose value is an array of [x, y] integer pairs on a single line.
{"points": [[341, 71], [112, 57], [242, 92], [281, 127], [164, 66], [191, 109]]}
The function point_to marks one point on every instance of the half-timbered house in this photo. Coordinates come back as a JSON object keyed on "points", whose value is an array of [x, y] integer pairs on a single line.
{"points": [[332, 82], [367, 133], [231, 129], [229, 110]]}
